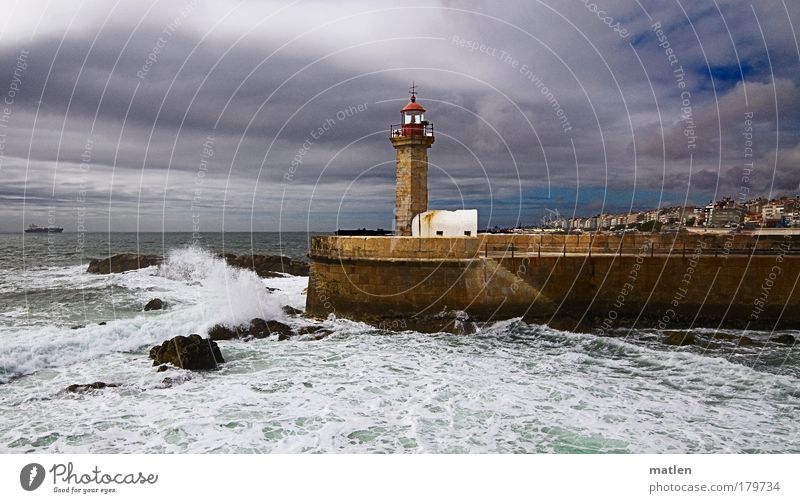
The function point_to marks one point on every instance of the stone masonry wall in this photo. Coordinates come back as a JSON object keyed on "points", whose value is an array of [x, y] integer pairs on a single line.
{"points": [[411, 196], [651, 282]]}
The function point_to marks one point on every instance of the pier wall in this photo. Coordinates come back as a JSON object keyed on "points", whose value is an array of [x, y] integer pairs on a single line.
{"points": [[603, 281]]}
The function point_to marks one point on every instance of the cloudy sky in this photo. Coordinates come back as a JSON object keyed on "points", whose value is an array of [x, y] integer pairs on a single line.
{"points": [[238, 115]]}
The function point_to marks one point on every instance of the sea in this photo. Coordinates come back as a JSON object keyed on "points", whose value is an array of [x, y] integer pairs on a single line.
{"points": [[510, 387]]}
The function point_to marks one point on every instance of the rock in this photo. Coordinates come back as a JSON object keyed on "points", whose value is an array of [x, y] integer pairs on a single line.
{"points": [[310, 329], [102, 323], [312, 333], [154, 305], [191, 353], [169, 382], [76, 327], [679, 339], [740, 340], [268, 266], [257, 328], [162, 368], [291, 311], [80, 388], [122, 262], [786, 339], [260, 328], [226, 333]]}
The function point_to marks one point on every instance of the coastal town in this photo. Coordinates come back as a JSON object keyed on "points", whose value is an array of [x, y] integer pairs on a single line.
{"points": [[725, 214]]}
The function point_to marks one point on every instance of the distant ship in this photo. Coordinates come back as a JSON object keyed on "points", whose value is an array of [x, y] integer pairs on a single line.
{"points": [[36, 228]]}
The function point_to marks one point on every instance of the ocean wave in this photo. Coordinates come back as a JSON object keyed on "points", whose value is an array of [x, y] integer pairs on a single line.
{"points": [[200, 288]]}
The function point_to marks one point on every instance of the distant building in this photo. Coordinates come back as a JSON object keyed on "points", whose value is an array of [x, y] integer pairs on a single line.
{"points": [[794, 218], [724, 217], [772, 215]]}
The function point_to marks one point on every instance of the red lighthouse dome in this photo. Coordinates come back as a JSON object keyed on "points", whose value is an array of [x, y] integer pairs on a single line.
{"points": [[413, 105], [413, 121]]}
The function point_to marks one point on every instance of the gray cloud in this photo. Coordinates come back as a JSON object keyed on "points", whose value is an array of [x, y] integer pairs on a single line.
{"points": [[498, 80]]}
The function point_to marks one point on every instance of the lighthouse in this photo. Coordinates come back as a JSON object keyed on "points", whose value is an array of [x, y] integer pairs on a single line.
{"points": [[411, 139]]}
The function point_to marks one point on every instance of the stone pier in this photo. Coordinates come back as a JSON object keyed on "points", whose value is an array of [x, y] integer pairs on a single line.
{"points": [[601, 281]]}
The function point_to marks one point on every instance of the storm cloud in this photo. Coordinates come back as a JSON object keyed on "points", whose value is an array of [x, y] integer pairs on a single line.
{"points": [[264, 115]]}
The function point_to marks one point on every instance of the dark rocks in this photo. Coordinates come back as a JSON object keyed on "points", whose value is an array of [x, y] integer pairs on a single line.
{"points": [[228, 257], [225, 333], [101, 324], [268, 266], [742, 341], [260, 328], [154, 305], [313, 333], [291, 311], [77, 327], [162, 368], [679, 339], [786, 339], [449, 322], [80, 388], [309, 329], [122, 262], [191, 353], [169, 382], [257, 328]]}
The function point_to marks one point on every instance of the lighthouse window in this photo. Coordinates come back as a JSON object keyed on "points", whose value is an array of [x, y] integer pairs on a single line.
{"points": [[468, 233], [440, 233]]}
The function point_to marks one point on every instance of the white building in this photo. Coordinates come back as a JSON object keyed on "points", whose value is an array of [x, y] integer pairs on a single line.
{"points": [[772, 211], [443, 223]]}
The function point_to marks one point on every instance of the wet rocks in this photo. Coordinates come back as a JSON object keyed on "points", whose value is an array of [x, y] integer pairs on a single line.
{"points": [[191, 353], [257, 328], [226, 333], [122, 262], [291, 311], [679, 339], [154, 305], [313, 333], [786, 339], [269, 266], [260, 328], [80, 388], [266, 266], [741, 341]]}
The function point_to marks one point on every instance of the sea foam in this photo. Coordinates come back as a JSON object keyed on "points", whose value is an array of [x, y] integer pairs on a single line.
{"points": [[200, 289]]}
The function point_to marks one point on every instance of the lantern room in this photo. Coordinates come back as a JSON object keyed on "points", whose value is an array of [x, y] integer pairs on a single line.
{"points": [[413, 121]]}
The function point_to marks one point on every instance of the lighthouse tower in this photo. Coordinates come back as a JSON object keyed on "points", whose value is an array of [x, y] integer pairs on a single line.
{"points": [[411, 139]]}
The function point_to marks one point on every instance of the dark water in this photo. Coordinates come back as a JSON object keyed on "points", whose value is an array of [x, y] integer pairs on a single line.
{"points": [[36, 250]]}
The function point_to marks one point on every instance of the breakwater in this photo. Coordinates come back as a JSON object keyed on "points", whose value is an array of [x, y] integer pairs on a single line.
{"points": [[601, 281]]}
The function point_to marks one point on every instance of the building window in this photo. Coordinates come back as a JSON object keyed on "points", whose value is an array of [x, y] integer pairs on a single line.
{"points": [[440, 233], [468, 233]]}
